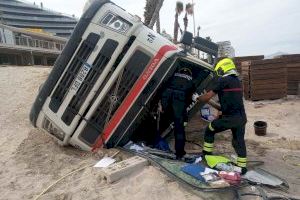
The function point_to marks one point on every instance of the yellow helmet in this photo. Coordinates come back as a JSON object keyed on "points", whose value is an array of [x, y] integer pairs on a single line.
{"points": [[224, 66]]}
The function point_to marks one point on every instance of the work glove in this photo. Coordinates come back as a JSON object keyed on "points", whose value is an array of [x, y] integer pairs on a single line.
{"points": [[159, 108], [195, 97]]}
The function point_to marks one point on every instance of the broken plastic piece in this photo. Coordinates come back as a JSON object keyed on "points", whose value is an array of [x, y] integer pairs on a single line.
{"points": [[261, 176], [105, 162], [211, 177]]}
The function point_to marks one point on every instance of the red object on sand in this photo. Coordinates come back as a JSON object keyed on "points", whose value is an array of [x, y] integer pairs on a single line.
{"points": [[232, 178]]}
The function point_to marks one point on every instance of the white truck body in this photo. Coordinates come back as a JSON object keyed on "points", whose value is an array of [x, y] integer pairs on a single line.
{"points": [[106, 77]]}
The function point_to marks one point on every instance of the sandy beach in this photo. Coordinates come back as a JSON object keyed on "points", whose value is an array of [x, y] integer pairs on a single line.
{"points": [[31, 160]]}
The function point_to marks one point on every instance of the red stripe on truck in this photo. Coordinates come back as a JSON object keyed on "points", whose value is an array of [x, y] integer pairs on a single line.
{"points": [[132, 95]]}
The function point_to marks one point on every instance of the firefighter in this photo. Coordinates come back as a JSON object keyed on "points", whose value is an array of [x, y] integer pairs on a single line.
{"points": [[233, 116], [175, 99]]}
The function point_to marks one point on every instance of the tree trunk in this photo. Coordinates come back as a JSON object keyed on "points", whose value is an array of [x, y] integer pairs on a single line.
{"points": [[155, 15], [158, 24], [149, 10], [176, 28], [185, 21]]}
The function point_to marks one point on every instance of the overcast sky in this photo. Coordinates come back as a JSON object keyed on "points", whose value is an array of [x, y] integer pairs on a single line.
{"points": [[253, 26]]}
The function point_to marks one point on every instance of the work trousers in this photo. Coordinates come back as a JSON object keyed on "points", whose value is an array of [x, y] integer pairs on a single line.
{"points": [[236, 123], [174, 106]]}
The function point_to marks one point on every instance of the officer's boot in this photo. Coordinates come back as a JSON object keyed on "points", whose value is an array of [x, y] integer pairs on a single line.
{"points": [[207, 148], [242, 163]]}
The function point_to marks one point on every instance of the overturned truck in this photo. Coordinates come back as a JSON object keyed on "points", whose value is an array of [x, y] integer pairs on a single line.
{"points": [[108, 78]]}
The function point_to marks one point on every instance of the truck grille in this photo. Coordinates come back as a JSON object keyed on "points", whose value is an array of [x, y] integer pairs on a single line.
{"points": [[106, 109], [80, 58], [98, 66]]}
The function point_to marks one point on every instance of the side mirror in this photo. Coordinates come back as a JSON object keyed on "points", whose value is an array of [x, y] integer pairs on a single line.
{"points": [[186, 38]]}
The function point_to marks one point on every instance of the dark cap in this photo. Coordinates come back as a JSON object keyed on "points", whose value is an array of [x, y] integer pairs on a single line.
{"points": [[186, 70]]}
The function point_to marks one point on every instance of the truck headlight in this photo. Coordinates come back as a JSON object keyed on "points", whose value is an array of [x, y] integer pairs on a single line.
{"points": [[53, 129], [115, 23]]}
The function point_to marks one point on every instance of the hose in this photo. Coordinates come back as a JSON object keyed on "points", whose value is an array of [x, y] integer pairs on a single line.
{"points": [[277, 193], [286, 159], [269, 198], [70, 173], [255, 163], [281, 198], [278, 198], [264, 196]]}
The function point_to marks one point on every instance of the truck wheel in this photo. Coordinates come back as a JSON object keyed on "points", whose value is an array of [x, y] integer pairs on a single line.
{"points": [[41, 86]]}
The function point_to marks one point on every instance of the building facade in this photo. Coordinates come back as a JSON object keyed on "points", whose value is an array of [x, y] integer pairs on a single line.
{"points": [[225, 49], [23, 47], [35, 18]]}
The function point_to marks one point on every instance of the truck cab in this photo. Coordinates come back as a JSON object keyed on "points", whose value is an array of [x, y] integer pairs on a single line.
{"points": [[107, 78]]}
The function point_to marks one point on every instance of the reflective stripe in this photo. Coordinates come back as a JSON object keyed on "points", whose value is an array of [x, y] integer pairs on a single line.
{"points": [[208, 149], [206, 144], [184, 76], [131, 97], [241, 164], [210, 127], [239, 159]]}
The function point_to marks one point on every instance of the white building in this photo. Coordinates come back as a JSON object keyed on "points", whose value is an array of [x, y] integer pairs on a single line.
{"points": [[225, 49], [20, 46], [21, 14]]}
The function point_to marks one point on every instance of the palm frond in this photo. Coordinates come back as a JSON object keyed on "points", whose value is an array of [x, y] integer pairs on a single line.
{"points": [[179, 7], [189, 8]]}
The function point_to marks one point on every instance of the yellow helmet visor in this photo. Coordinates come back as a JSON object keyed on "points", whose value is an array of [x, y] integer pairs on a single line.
{"points": [[224, 66]]}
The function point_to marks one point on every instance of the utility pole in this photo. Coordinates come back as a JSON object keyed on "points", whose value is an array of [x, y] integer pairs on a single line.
{"points": [[194, 18], [1, 18], [198, 34]]}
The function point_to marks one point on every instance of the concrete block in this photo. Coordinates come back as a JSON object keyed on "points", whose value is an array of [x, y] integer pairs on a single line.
{"points": [[118, 170]]}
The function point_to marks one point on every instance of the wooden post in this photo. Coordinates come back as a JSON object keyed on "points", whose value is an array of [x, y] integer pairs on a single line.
{"points": [[32, 59], [298, 91]]}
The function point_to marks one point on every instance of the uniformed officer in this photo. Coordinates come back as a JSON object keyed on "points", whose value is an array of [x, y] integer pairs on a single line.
{"points": [[233, 117], [174, 102]]}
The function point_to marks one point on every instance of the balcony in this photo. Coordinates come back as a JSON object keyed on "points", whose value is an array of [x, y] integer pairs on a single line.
{"points": [[40, 25], [38, 18]]}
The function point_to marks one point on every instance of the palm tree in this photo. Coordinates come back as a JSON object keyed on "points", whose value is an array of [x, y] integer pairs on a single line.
{"points": [[151, 13], [158, 24], [189, 10], [178, 11], [155, 15], [149, 10]]}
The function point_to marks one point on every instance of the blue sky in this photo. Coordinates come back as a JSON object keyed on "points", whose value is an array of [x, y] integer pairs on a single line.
{"points": [[253, 26]]}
